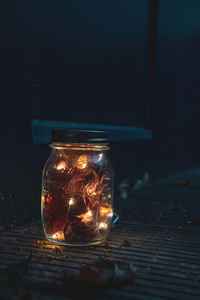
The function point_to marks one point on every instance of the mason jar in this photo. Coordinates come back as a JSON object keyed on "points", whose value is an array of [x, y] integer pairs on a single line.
{"points": [[77, 188]]}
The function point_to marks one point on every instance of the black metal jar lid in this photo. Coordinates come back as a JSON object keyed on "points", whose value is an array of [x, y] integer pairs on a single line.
{"points": [[78, 136]]}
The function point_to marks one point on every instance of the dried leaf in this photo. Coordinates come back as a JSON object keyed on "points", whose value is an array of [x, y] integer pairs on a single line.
{"points": [[184, 184], [105, 272]]}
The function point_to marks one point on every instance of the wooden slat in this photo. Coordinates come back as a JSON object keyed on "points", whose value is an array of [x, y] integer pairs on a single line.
{"points": [[168, 267]]}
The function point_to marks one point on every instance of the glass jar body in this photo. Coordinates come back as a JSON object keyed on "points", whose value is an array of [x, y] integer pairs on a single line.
{"points": [[77, 194]]}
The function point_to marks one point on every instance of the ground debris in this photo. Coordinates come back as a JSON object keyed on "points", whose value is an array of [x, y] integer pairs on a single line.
{"points": [[187, 183], [105, 272], [140, 183], [123, 188], [58, 250], [107, 246], [125, 243]]}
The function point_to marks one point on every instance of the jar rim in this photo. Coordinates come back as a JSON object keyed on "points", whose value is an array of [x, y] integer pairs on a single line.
{"points": [[80, 146]]}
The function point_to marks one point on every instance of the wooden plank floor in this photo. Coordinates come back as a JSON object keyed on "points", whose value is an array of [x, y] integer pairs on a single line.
{"points": [[167, 261]]}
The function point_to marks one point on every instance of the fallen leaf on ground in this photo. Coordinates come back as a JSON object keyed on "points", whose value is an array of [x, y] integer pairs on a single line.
{"points": [[105, 272], [184, 184]]}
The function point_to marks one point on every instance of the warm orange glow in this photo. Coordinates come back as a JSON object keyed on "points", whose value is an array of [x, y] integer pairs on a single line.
{"points": [[91, 190], [103, 225], [106, 211], [82, 162], [61, 166], [87, 217], [43, 199], [71, 201], [58, 236]]}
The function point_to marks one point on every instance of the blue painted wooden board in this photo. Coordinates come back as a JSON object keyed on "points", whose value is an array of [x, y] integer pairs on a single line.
{"points": [[41, 130]]}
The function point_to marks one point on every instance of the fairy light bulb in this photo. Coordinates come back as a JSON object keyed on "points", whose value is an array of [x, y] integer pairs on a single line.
{"points": [[89, 213], [110, 214], [61, 166], [102, 225], [71, 201], [58, 235], [82, 162], [87, 217], [106, 211]]}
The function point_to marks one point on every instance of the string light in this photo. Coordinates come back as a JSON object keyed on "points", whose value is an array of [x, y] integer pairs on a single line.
{"points": [[77, 207], [82, 162], [91, 190], [102, 225], [106, 211], [71, 201], [87, 217], [58, 235], [61, 166]]}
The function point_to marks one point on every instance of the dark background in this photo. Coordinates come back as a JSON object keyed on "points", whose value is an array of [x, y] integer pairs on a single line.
{"points": [[90, 61]]}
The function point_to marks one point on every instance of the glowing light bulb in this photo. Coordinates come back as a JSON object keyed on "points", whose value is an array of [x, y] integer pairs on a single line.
{"points": [[61, 166], [87, 217], [82, 162], [110, 214], [106, 211], [89, 213], [71, 201], [58, 235], [103, 225]]}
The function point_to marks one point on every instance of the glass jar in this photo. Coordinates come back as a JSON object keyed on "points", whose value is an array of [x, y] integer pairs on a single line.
{"points": [[77, 189]]}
